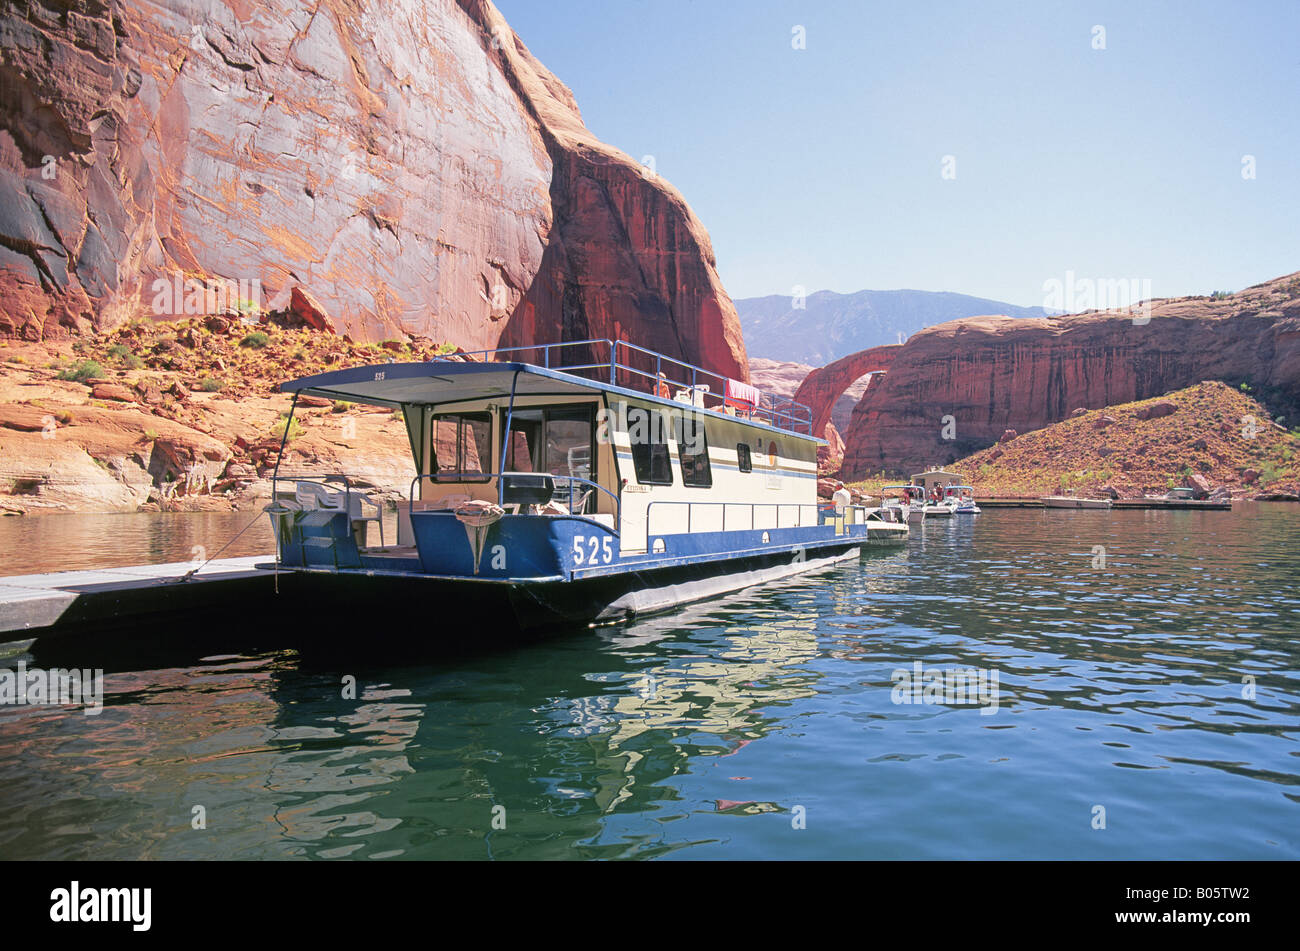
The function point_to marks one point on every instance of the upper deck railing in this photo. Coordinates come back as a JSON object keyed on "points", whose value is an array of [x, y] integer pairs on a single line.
{"points": [[619, 363]]}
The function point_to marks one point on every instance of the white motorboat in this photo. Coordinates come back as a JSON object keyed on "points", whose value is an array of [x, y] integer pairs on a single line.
{"points": [[907, 506], [1073, 502], [964, 497]]}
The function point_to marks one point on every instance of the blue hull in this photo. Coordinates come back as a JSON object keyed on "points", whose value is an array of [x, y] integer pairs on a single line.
{"points": [[537, 572]]}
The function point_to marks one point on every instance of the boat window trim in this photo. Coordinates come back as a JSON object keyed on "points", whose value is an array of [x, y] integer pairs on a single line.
{"points": [[650, 446], [679, 431], [543, 466], [458, 474]]}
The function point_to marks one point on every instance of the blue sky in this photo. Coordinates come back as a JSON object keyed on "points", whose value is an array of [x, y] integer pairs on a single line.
{"points": [[822, 167]]}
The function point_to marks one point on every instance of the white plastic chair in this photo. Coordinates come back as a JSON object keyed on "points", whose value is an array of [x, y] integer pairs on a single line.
{"points": [[313, 495], [357, 512]]}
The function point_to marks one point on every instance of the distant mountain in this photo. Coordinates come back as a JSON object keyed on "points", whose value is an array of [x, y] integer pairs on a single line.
{"points": [[831, 325]]}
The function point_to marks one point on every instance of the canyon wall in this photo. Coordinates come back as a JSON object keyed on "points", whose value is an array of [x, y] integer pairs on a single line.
{"points": [[991, 374], [408, 162]]}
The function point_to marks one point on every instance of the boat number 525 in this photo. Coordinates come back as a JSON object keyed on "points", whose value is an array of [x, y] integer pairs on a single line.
{"points": [[591, 550]]}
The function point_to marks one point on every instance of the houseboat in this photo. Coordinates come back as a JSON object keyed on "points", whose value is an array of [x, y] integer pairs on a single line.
{"points": [[590, 481]]}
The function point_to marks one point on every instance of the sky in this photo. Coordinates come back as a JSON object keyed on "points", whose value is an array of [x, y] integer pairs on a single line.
{"points": [[987, 149]]}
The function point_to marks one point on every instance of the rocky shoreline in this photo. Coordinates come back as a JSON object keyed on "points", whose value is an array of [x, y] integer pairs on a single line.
{"points": [[1212, 438], [185, 416]]}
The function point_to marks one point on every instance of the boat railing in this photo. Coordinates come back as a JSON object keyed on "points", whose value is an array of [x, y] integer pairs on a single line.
{"points": [[852, 514], [573, 485], [620, 363], [799, 507]]}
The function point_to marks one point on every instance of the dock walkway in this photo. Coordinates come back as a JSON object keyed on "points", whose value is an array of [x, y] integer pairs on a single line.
{"points": [[104, 595]]}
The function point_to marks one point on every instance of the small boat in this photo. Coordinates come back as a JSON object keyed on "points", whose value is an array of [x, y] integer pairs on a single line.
{"points": [[945, 508], [1182, 493], [1073, 502], [563, 484], [934, 483], [964, 497], [1184, 497], [908, 505]]}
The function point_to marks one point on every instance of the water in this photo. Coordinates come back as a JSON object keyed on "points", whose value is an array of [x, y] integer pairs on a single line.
{"points": [[36, 544], [40, 543], [757, 726]]}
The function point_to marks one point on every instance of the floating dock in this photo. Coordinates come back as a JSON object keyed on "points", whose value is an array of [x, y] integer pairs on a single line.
{"points": [[103, 597], [1171, 504], [1117, 504]]}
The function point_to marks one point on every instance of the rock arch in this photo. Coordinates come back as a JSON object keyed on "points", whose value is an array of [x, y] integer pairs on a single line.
{"points": [[822, 387]]}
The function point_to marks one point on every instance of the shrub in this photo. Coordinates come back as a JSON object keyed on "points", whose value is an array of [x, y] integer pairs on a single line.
{"points": [[256, 340], [342, 406], [132, 362], [294, 428], [210, 384], [119, 351], [83, 371], [151, 434]]}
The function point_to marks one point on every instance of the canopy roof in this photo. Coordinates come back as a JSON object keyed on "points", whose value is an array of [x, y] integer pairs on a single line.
{"points": [[394, 384], [438, 381]]}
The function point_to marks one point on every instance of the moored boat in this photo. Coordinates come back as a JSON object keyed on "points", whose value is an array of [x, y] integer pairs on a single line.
{"points": [[963, 499], [943, 508], [1074, 502], [599, 481], [906, 504], [934, 483], [1184, 497]]}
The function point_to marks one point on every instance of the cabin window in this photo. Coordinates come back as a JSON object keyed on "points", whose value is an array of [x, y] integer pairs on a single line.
{"points": [[462, 446], [569, 434], [743, 457], [555, 439], [693, 451], [524, 445], [645, 430]]}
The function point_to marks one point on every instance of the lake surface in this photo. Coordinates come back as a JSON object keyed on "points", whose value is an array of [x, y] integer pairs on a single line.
{"points": [[763, 725]]}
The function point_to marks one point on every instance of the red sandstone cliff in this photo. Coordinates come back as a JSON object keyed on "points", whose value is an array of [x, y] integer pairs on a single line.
{"points": [[991, 374], [408, 163]]}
